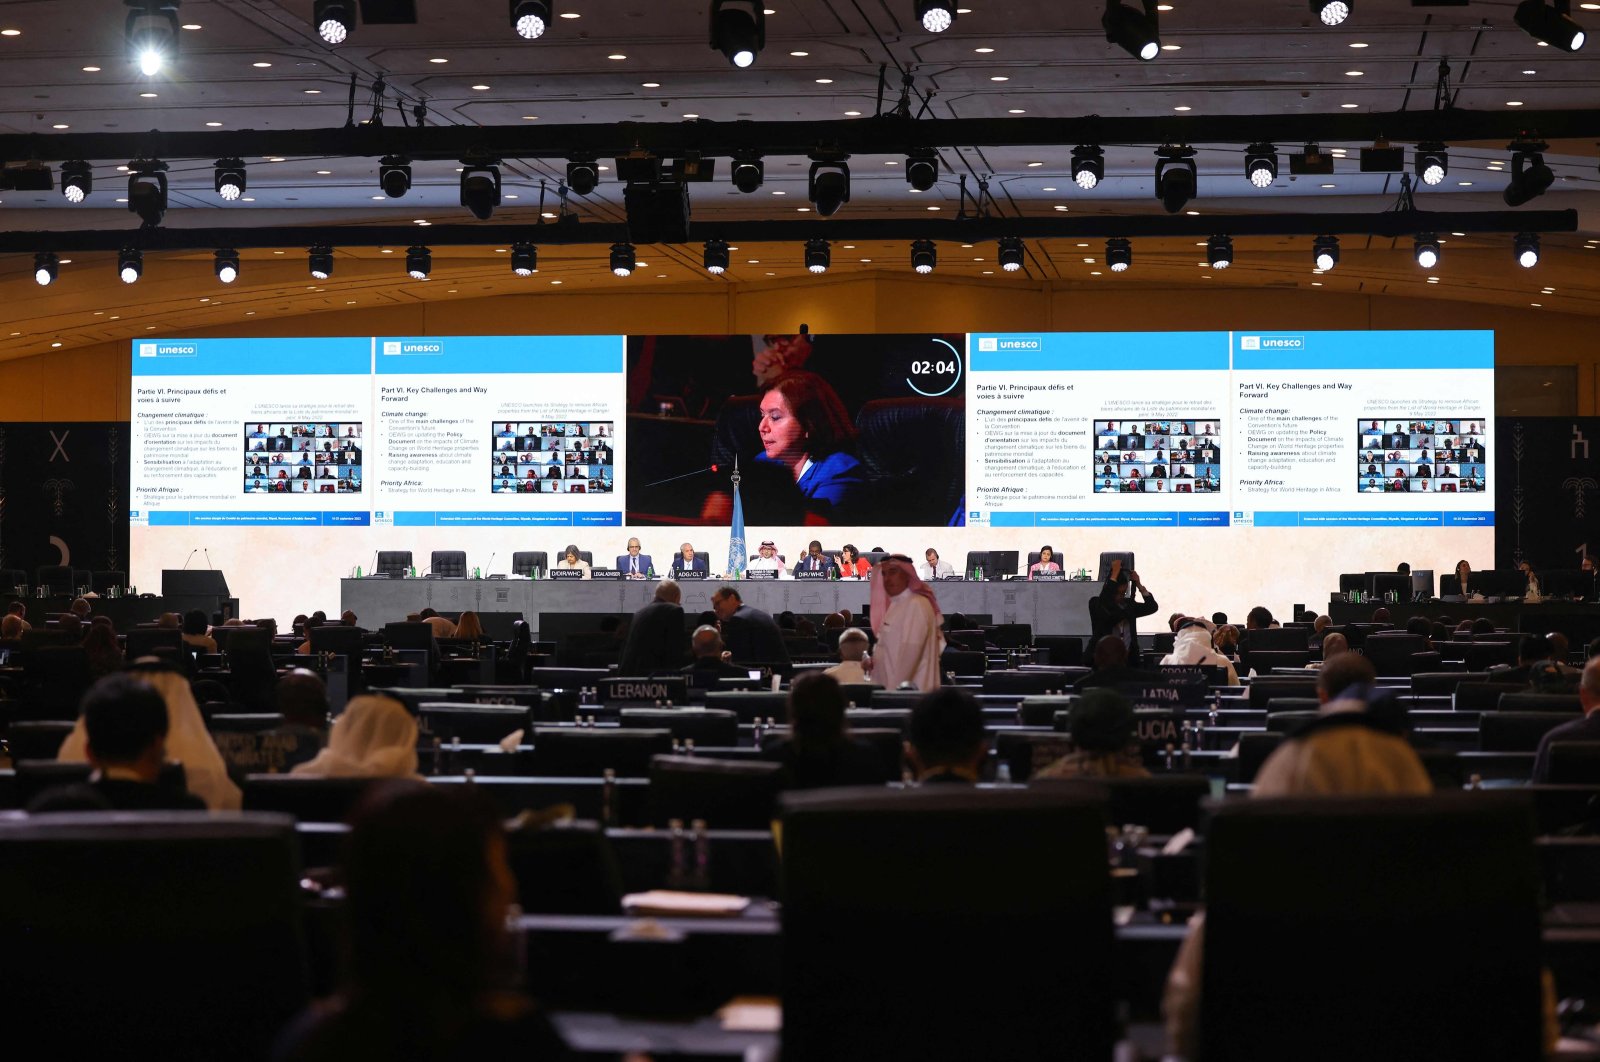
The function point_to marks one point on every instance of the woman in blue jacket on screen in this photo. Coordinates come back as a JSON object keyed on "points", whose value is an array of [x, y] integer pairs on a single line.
{"points": [[805, 428]]}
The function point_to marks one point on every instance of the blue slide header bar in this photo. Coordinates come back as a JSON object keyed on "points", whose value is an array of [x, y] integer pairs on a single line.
{"points": [[259, 519], [414, 355], [1356, 518], [505, 519], [320, 356], [1377, 349], [1096, 351], [1110, 519]]}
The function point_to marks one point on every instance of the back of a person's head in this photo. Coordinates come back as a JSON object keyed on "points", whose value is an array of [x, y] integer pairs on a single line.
{"points": [[1110, 651], [1532, 647], [122, 715], [11, 627], [853, 644], [816, 710], [1321, 623], [302, 698], [1334, 643], [707, 641], [169, 621], [786, 620], [1419, 625], [194, 621], [1342, 672], [946, 727], [669, 591], [1219, 618], [1483, 625], [1102, 721], [420, 876], [1380, 615], [1258, 618], [1559, 646]]}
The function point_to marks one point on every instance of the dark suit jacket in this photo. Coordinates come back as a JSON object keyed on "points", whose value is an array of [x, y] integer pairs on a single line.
{"points": [[623, 565], [657, 640], [706, 670], [804, 564], [851, 762], [1117, 676], [699, 565], [750, 634], [119, 795], [1586, 728], [1105, 612]]}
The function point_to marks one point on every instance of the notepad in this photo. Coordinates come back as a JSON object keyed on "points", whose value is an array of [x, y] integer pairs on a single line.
{"points": [[665, 903]]}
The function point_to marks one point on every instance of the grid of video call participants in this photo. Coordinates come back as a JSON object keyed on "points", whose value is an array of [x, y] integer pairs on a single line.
{"points": [[1157, 456], [1421, 456], [570, 457], [302, 458]]}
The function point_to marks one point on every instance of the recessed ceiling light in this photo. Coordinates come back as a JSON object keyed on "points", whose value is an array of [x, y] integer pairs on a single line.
{"points": [[555, 282], [191, 25], [1355, 73], [1530, 72], [691, 116], [616, 55], [1016, 110], [769, 11], [248, 199], [1047, 189], [10, 33], [1163, 7], [803, 210], [261, 66], [983, 51], [1464, 184], [213, 125], [530, 117], [1034, 165], [1458, 234], [61, 125], [388, 250], [1172, 47], [999, 77], [548, 214], [480, 88], [324, 173], [799, 55], [379, 198], [147, 95], [824, 80], [866, 260], [852, 114], [438, 60], [1349, 106], [892, 162], [570, 14], [1358, 44], [1330, 186], [510, 196], [274, 158], [312, 92], [1061, 207], [652, 84], [933, 208], [1180, 108], [778, 192], [1590, 7], [1513, 103], [1316, 283], [1192, 213], [91, 70], [1094, 272]]}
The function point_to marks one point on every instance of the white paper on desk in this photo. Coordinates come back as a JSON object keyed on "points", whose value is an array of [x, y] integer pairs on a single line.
{"points": [[511, 741], [1178, 842], [751, 1014], [669, 904]]}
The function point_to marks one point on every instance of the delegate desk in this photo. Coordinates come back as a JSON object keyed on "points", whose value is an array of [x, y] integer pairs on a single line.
{"points": [[1056, 608], [1580, 622], [125, 612]]}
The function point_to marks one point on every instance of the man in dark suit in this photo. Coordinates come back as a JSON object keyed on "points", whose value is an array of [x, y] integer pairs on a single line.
{"points": [[815, 560], [749, 633], [125, 721], [708, 664], [280, 442], [1586, 728], [1116, 611], [633, 564], [657, 640]]}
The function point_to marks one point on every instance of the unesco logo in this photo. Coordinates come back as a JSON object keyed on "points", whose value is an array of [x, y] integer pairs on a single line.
{"points": [[988, 343], [391, 348], [147, 350], [1272, 342]]}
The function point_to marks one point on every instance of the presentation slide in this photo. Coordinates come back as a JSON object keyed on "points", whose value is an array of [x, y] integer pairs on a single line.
{"points": [[1241, 467]]}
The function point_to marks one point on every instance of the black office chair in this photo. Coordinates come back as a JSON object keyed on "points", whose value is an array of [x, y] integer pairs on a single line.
{"points": [[977, 559], [523, 562], [1270, 688], [13, 581], [38, 739], [1126, 556], [305, 799], [213, 893], [707, 728], [1473, 696], [1571, 762], [57, 578], [569, 752], [102, 582], [473, 724], [1440, 960], [752, 704], [726, 794], [393, 562], [148, 641], [1393, 652], [82, 577], [873, 965], [448, 564], [1518, 731], [1539, 702]]}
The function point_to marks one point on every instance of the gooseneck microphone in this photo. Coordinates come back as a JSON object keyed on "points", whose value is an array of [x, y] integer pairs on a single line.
{"points": [[192, 552], [207, 553], [492, 556], [686, 475]]}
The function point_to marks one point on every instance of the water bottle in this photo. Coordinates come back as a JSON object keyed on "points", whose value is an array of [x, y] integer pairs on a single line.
{"points": [[477, 573], [758, 732], [358, 571], [455, 752], [1169, 756], [678, 868], [702, 855], [608, 796], [688, 746], [1188, 744], [1002, 773]]}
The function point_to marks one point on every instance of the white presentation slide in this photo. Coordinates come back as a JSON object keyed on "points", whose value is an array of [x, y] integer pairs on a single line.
{"points": [[1243, 467]]}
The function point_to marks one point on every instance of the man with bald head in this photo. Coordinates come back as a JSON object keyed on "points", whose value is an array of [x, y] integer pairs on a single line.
{"points": [[657, 640], [1586, 728], [710, 663]]}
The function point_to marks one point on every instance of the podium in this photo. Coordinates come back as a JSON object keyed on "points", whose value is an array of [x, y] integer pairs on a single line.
{"points": [[207, 590]]}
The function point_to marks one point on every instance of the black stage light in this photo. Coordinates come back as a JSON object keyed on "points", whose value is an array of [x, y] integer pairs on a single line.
{"points": [[1527, 247], [480, 188], [748, 173], [151, 34], [738, 30], [1432, 162], [829, 185], [229, 179], [227, 265], [524, 259], [583, 175], [419, 262], [1332, 12], [1530, 177], [1553, 25], [716, 257], [1261, 164], [1088, 166], [922, 169], [1426, 250], [530, 18], [1325, 252], [1136, 32], [394, 175], [1011, 253], [46, 266], [1219, 251], [818, 255], [319, 261], [130, 264], [1119, 254], [924, 255], [333, 20], [936, 16], [147, 190], [1176, 179], [77, 180], [623, 260]]}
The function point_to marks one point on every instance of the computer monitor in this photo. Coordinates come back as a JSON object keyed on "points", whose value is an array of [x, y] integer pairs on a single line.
{"points": [[1002, 562], [1391, 582], [1422, 583]]}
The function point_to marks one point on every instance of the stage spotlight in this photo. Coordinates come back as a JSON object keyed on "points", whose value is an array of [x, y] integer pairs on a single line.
{"points": [[130, 264], [1432, 162], [333, 20], [1261, 164], [227, 265], [1553, 25], [1219, 251], [394, 175], [739, 30], [936, 16], [530, 18], [480, 188], [147, 190], [1530, 177], [922, 169], [1176, 179], [1527, 246], [319, 260], [229, 179], [1325, 252], [818, 256], [1119, 254], [716, 257], [77, 181], [1135, 32], [583, 175], [1332, 12], [151, 34], [524, 259], [1426, 250], [1011, 253], [829, 185], [419, 262], [45, 268], [924, 255], [623, 259], [1088, 166], [748, 173]]}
